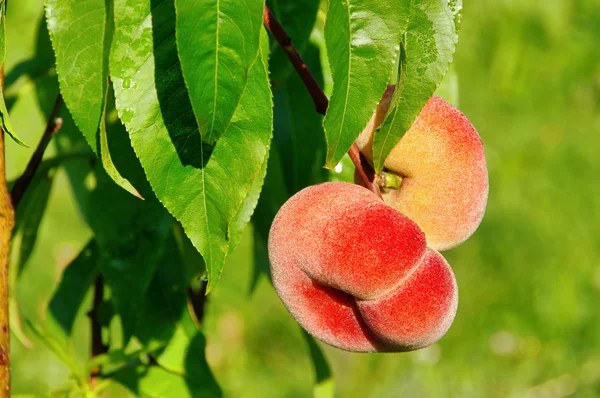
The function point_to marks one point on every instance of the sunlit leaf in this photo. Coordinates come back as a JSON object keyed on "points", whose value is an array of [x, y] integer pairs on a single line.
{"points": [[203, 186], [428, 48], [218, 42], [78, 30], [363, 40], [155, 382]]}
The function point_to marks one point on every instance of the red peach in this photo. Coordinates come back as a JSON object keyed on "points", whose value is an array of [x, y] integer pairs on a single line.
{"points": [[356, 273]]}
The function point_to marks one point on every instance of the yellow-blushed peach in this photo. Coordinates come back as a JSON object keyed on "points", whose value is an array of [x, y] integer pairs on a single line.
{"points": [[441, 161]]}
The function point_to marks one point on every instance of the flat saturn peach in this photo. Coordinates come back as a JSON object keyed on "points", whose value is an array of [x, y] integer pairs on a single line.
{"points": [[357, 274]]}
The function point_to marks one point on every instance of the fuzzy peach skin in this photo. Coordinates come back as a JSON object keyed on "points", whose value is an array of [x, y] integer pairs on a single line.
{"points": [[442, 162], [357, 274]]}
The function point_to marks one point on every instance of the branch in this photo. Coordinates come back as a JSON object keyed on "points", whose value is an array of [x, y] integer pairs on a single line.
{"points": [[98, 347], [7, 223], [285, 41], [53, 126], [319, 98], [197, 300]]}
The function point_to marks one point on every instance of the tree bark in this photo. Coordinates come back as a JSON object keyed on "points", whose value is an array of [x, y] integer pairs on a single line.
{"points": [[7, 223]]}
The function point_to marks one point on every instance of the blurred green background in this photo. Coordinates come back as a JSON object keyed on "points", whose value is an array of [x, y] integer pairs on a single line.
{"points": [[528, 323]]}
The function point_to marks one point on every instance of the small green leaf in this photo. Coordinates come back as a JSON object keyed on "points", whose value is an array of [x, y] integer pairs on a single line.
{"points": [[362, 38], [429, 45], [155, 382], [203, 186], [77, 279], [5, 123], [324, 381], [78, 30], [217, 41]]}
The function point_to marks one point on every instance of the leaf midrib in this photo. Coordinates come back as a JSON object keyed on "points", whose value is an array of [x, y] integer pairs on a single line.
{"points": [[214, 110]]}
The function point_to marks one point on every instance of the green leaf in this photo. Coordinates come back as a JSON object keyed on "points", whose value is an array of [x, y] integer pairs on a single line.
{"points": [[77, 279], [5, 123], [155, 382], [324, 381], [130, 233], [191, 257], [428, 48], [168, 330], [242, 218], [107, 161], [362, 38], [217, 41], [298, 18], [203, 186], [79, 33], [246, 210], [30, 213], [299, 135], [165, 300], [28, 219], [185, 353]]}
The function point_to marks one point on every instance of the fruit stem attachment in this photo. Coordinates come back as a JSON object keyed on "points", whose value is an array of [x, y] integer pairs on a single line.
{"points": [[388, 180], [320, 100]]}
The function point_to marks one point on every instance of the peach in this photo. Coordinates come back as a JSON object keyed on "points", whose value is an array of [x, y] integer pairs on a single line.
{"points": [[441, 161], [357, 274]]}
